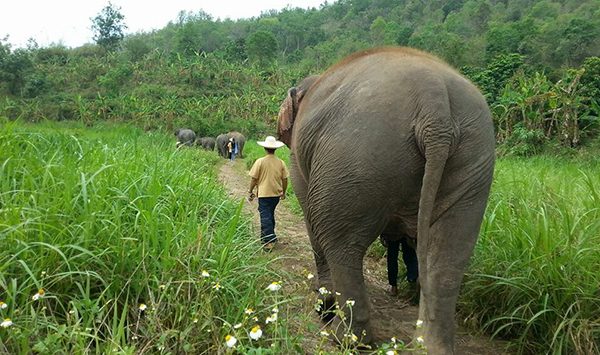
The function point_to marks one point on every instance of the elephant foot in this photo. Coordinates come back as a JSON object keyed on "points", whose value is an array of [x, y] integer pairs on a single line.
{"points": [[415, 292], [326, 308], [352, 334], [432, 342]]}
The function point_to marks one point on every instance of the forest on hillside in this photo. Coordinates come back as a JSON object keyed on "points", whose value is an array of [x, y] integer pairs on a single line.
{"points": [[536, 62]]}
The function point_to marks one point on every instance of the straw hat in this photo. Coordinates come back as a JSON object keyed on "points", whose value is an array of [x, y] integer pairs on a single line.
{"points": [[271, 143]]}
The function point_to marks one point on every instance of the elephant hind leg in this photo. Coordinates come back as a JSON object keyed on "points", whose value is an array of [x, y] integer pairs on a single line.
{"points": [[323, 280], [324, 284], [453, 237], [352, 323]]}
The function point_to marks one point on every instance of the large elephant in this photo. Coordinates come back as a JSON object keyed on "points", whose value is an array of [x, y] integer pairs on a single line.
{"points": [[185, 137], [207, 143], [391, 139], [221, 143], [240, 140]]}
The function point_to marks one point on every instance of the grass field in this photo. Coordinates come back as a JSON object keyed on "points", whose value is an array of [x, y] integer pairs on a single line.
{"points": [[535, 277], [112, 239]]}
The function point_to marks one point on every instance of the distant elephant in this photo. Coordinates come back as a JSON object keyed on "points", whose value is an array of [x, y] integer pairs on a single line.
{"points": [[207, 143], [240, 140], [391, 139], [185, 137], [221, 143]]}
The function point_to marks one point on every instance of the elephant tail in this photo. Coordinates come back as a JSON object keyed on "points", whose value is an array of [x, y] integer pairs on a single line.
{"points": [[435, 161]]}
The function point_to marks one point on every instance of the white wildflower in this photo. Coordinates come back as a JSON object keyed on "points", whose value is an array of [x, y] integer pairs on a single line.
{"points": [[350, 302], [274, 286], [204, 273], [3, 305], [352, 337], [39, 294], [142, 307], [230, 341], [310, 276], [420, 340], [256, 332], [6, 323], [237, 326], [271, 319], [419, 323], [323, 291]]}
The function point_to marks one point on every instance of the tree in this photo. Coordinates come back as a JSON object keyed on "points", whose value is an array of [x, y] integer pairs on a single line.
{"points": [[590, 82], [236, 50], [108, 26], [378, 30], [261, 46], [14, 66]]}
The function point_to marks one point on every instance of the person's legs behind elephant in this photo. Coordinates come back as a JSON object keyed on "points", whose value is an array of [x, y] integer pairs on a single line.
{"points": [[393, 248], [409, 256]]}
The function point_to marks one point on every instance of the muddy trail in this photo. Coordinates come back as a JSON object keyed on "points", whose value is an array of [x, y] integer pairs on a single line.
{"points": [[391, 316]]}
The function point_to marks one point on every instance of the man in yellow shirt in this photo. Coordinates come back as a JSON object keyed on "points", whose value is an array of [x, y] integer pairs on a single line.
{"points": [[270, 175]]}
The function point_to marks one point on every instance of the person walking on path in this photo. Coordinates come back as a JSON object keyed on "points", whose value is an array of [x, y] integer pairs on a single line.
{"points": [[270, 175], [232, 148]]}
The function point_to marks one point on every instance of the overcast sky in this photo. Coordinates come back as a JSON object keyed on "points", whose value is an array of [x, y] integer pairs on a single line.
{"points": [[69, 21]]}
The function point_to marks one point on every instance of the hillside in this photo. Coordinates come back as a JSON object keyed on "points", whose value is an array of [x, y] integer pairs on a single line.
{"points": [[536, 62]]}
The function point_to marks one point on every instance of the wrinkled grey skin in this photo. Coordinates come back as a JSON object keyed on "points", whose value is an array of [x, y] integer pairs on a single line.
{"points": [[185, 137], [207, 143], [240, 140], [391, 139], [221, 143]]}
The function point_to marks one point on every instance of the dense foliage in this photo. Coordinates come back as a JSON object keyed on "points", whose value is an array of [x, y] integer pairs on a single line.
{"points": [[536, 62]]}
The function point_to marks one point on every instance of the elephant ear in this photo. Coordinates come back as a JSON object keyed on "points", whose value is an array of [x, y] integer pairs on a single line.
{"points": [[287, 115]]}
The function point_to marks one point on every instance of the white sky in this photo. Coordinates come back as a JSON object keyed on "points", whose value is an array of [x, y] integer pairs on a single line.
{"points": [[69, 21]]}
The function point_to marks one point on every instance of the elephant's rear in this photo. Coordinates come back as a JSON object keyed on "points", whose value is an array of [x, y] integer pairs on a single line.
{"points": [[392, 136]]}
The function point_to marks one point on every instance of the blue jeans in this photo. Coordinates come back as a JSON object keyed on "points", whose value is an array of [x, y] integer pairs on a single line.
{"points": [[409, 256], [266, 208]]}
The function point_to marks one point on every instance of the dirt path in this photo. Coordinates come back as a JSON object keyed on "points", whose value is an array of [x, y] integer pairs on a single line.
{"points": [[391, 316]]}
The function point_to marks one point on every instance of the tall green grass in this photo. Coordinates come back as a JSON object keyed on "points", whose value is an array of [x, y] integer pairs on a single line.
{"points": [[535, 276], [110, 219]]}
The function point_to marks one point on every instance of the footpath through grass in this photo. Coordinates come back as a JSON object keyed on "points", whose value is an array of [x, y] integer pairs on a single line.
{"points": [[114, 240]]}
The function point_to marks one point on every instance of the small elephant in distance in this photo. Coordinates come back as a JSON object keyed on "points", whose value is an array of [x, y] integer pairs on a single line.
{"points": [[431, 183], [207, 143], [185, 137], [221, 144]]}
